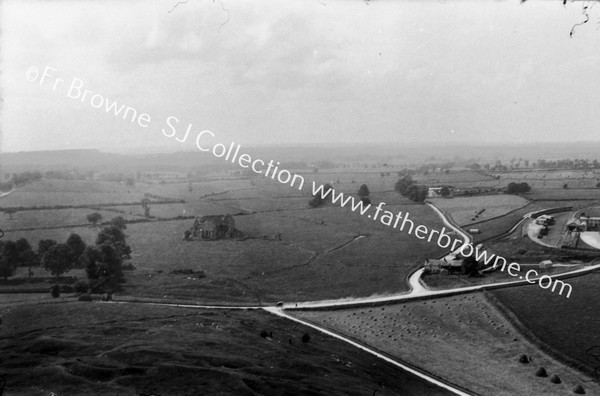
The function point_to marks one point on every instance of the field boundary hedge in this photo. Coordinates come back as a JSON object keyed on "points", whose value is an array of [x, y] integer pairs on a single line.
{"points": [[526, 332], [84, 206]]}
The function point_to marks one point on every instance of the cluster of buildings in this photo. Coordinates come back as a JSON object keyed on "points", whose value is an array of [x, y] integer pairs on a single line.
{"points": [[584, 223]]}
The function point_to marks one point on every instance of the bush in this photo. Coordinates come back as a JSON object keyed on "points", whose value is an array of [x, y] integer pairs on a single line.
{"points": [[264, 333], [86, 297], [55, 291], [66, 288], [305, 337], [80, 286]]}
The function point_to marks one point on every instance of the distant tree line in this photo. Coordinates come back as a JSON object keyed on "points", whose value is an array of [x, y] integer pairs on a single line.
{"points": [[20, 179]]}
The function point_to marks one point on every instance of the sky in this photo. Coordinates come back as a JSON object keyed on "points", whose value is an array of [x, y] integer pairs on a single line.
{"points": [[298, 72]]}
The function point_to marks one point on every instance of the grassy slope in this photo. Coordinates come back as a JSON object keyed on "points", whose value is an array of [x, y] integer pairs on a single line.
{"points": [[567, 325], [463, 339], [102, 349]]}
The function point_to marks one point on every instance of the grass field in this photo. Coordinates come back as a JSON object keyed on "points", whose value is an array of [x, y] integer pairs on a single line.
{"points": [[58, 217], [570, 326], [109, 349], [462, 339], [466, 210], [72, 192]]}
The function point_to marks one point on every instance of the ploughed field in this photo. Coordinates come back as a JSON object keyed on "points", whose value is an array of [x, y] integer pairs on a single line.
{"points": [[463, 339], [569, 326], [107, 349]]}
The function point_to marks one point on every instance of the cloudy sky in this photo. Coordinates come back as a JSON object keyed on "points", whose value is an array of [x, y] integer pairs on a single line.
{"points": [[299, 71]]}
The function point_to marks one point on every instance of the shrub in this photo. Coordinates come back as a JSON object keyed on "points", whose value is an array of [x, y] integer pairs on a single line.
{"points": [[522, 251], [66, 288], [541, 372], [305, 337], [80, 286], [55, 291], [264, 333], [523, 359], [85, 297]]}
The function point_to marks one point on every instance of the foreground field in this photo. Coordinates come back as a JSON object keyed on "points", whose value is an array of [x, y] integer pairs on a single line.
{"points": [[462, 339], [108, 349], [569, 326]]}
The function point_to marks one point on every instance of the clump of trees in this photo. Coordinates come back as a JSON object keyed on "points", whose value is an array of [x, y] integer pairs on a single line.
{"points": [[94, 218], [102, 260], [517, 188], [14, 254], [445, 191], [363, 193], [407, 187], [105, 258], [317, 200]]}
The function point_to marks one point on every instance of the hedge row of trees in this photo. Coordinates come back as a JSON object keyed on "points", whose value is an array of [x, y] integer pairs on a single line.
{"points": [[407, 187], [101, 260], [517, 188]]}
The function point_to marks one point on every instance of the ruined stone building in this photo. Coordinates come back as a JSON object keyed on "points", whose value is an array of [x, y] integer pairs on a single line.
{"points": [[214, 227]]}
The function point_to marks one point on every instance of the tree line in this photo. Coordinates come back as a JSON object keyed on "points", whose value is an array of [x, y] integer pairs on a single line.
{"points": [[102, 260]]}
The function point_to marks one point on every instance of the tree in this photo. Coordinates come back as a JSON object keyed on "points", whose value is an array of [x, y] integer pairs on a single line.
{"points": [[365, 200], [91, 259], [114, 236], [470, 266], [110, 262], [417, 193], [317, 199], [77, 246], [119, 222], [94, 218], [445, 191], [58, 259], [146, 206], [363, 191], [27, 257], [403, 184], [44, 245], [9, 260], [517, 188]]}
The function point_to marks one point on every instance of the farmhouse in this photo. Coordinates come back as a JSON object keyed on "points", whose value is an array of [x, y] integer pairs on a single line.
{"points": [[214, 227], [434, 192], [584, 223], [591, 223], [442, 266]]}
